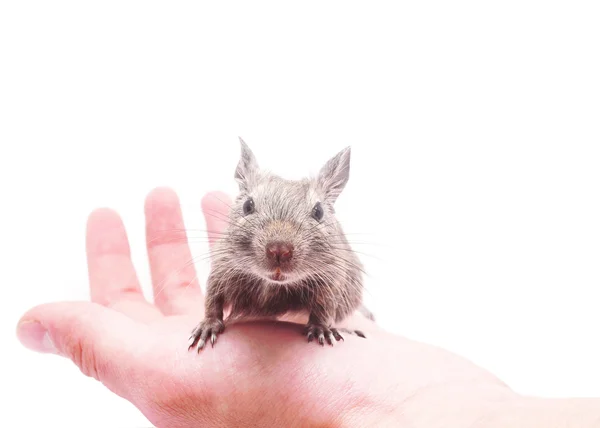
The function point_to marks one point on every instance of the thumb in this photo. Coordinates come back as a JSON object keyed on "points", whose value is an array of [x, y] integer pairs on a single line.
{"points": [[100, 341]]}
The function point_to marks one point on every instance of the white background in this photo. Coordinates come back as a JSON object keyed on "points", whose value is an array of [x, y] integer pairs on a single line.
{"points": [[475, 129]]}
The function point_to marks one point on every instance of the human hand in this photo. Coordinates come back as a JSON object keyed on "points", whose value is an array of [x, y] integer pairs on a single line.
{"points": [[259, 373]]}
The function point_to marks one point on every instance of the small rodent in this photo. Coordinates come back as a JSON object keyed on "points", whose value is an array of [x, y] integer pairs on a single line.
{"points": [[284, 251]]}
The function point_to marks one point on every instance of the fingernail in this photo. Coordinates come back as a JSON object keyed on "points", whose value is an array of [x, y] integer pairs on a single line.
{"points": [[34, 336]]}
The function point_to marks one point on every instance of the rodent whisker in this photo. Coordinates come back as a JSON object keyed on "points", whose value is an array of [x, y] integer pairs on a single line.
{"points": [[218, 215], [192, 261], [185, 240], [318, 225], [353, 233], [332, 222], [325, 282], [225, 220], [352, 264], [358, 252], [220, 200], [190, 230], [350, 237], [322, 268], [161, 286], [180, 240], [210, 254], [309, 234], [183, 233], [300, 225], [358, 243]]}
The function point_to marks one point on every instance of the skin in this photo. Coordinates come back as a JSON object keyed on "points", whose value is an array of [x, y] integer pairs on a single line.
{"points": [[262, 374]]}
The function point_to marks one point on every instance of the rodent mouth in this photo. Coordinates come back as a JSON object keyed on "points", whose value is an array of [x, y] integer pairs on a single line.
{"points": [[277, 275], [278, 272]]}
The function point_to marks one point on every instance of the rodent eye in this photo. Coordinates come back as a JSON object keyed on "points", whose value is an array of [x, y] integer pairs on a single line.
{"points": [[248, 206], [317, 211]]}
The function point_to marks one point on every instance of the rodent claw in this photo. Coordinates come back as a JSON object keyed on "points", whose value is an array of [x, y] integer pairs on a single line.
{"points": [[353, 332], [337, 334], [323, 334], [208, 329], [330, 339]]}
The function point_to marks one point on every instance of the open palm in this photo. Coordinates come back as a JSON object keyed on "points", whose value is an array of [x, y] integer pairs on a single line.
{"points": [[259, 373]]}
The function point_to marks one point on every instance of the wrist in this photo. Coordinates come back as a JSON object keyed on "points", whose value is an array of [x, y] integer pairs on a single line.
{"points": [[529, 412]]}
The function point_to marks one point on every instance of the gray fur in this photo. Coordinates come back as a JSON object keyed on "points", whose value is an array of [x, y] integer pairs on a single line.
{"points": [[324, 276], [335, 174], [247, 167]]}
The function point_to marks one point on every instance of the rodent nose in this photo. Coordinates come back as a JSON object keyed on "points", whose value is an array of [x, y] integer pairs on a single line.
{"points": [[280, 251]]}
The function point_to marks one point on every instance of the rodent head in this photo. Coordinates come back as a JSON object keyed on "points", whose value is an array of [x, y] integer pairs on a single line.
{"points": [[285, 230]]}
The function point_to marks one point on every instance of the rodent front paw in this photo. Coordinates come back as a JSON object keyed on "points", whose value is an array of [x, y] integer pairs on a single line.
{"points": [[322, 333], [208, 327]]}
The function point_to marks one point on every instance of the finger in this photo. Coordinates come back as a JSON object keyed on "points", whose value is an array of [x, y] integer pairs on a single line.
{"points": [[216, 206], [113, 280], [100, 341], [174, 278]]}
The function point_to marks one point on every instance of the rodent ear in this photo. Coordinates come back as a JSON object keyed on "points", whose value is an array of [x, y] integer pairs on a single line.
{"points": [[246, 168], [335, 174]]}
